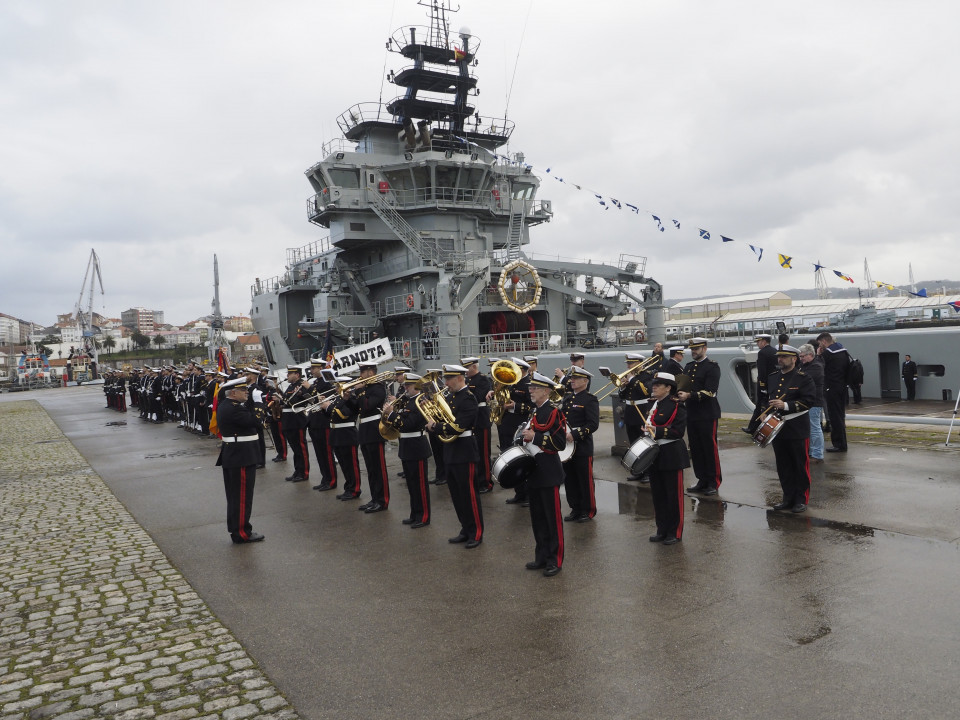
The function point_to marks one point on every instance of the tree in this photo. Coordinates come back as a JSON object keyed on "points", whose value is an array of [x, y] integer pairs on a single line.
{"points": [[139, 339], [109, 343], [43, 345], [159, 340]]}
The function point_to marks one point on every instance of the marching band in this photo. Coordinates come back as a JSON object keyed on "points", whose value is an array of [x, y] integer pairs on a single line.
{"points": [[545, 432]]}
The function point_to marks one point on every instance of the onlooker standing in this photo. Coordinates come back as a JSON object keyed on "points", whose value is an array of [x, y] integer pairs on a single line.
{"points": [[812, 365], [909, 373], [836, 363]]}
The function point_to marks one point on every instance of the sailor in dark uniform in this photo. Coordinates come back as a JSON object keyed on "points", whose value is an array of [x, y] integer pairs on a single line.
{"points": [[239, 456], [343, 439], [635, 394], [792, 394], [295, 423], [703, 415], [582, 412], [460, 456], [368, 401], [766, 365], [517, 411], [414, 450], [546, 436], [657, 353], [666, 423], [252, 374], [577, 360], [319, 425], [479, 384], [673, 362]]}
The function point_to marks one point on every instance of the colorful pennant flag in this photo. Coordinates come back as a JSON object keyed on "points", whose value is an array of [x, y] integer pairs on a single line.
{"points": [[955, 305], [922, 292], [726, 239], [704, 234], [842, 276], [785, 261], [758, 251], [657, 221]]}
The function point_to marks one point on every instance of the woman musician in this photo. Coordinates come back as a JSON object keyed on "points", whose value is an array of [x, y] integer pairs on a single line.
{"points": [[666, 423]]}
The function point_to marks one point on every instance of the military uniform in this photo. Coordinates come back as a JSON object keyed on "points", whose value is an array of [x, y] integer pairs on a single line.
{"points": [[480, 384], [582, 413], [668, 417], [512, 420], [791, 446], [703, 415], [343, 440], [368, 401], [319, 424], [414, 451], [294, 429], [766, 365], [238, 459]]}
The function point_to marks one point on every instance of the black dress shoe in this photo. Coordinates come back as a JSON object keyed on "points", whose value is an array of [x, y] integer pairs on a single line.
{"points": [[401, 474], [698, 488], [292, 478], [419, 524], [643, 479], [458, 539], [551, 571], [747, 430], [485, 490], [278, 459], [375, 508], [798, 508], [251, 538], [347, 496], [261, 467], [534, 565], [323, 487], [836, 449], [672, 540], [710, 491], [408, 521], [298, 478], [783, 506], [583, 519], [471, 544], [515, 500], [657, 538], [439, 482], [363, 508], [571, 517]]}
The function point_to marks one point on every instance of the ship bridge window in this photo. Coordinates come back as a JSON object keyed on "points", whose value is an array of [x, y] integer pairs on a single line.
{"points": [[345, 178], [399, 179], [523, 192], [472, 178]]}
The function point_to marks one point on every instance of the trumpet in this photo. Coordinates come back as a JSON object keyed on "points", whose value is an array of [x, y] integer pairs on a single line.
{"points": [[621, 379], [505, 374], [561, 375]]}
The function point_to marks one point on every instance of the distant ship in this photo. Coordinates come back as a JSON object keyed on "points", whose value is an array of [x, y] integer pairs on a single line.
{"points": [[429, 232], [865, 317]]}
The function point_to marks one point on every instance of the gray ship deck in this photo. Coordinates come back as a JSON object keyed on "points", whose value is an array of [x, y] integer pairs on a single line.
{"points": [[846, 611]]}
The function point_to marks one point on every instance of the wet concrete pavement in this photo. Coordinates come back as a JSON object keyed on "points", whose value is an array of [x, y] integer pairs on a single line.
{"points": [[848, 610]]}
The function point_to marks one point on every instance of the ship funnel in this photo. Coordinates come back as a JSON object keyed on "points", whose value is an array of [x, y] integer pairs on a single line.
{"points": [[424, 127], [408, 134]]}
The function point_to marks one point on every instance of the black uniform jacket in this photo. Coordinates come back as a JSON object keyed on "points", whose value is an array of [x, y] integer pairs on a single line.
{"points": [[669, 419], [766, 366], [343, 423], [702, 403], [237, 421], [319, 420], [463, 449], [836, 362], [480, 385], [406, 418], [582, 411], [550, 436], [672, 366], [523, 405], [295, 393], [636, 388], [799, 392], [368, 402]]}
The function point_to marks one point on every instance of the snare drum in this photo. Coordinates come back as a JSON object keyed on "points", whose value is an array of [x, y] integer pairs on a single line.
{"points": [[641, 455], [513, 466], [768, 430]]}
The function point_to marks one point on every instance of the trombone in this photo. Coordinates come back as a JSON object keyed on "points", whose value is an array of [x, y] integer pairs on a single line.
{"points": [[314, 403], [621, 379]]}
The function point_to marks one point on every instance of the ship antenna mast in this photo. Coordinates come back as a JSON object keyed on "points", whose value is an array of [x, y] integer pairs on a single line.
{"points": [[823, 291], [217, 339], [868, 280]]}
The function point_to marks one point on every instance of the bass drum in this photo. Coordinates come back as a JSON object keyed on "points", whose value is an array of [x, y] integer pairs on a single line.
{"points": [[513, 466], [641, 455]]}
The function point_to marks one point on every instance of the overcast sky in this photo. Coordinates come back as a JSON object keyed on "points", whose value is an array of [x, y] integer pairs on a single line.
{"points": [[160, 133]]}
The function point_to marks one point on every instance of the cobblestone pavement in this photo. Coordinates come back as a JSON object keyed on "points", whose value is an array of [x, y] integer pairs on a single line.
{"points": [[94, 620]]}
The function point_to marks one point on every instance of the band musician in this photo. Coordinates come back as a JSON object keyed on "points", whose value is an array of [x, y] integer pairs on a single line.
{"points": [[414, 450], [343, 439], [368, 401], [295, 424], [703, 415], [582, 412], [634, 391], [480, 385], [766, 364], [319, 425], [666, 423], [546, 433], [239, 456]]}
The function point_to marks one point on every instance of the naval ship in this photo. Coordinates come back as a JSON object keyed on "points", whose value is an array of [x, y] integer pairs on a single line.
{"points": [[428, 220]]}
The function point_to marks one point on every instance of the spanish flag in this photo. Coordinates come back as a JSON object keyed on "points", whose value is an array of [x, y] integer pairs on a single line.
{"points": [[458, 54], [785, 261]]}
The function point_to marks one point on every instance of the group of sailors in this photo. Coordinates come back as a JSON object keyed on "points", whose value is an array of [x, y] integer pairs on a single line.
{"points": [[448, 415]]}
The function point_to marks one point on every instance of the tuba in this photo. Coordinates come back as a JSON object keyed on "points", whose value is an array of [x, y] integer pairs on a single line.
{"points": [[505, 374], [387, 429], [438, 410]]}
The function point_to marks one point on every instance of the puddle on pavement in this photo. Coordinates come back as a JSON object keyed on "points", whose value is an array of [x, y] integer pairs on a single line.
{"points": [[116, 423], [174, 453]]}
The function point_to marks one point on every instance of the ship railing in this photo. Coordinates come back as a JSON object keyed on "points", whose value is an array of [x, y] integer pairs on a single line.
{"points": [[272, 284], [394, 266], [334, 146], [428, 36], [504, 344], [401, 304], [311, 250], [363, 113]]}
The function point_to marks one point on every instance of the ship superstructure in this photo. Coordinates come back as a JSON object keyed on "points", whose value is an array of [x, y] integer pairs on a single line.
{"points": [[429, 220]]}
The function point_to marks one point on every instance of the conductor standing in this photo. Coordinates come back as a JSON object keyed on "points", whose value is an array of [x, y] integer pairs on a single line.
{"points": [[239, 457]]}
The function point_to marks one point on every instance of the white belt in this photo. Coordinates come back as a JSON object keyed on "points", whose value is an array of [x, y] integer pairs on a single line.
{"points": [[242, 438], [664, 441], [483, 404], [636, 402], [369, 419], [466, 433], [405, 436], [794, 415], [288, 410], [338, 426]]}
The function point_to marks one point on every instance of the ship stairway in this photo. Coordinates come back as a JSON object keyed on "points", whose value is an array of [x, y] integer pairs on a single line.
{"points": [[517, 218], [427, 253]]}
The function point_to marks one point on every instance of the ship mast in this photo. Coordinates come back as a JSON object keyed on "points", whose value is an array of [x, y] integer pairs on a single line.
{"points": [[823, 291], [217, 339]]}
